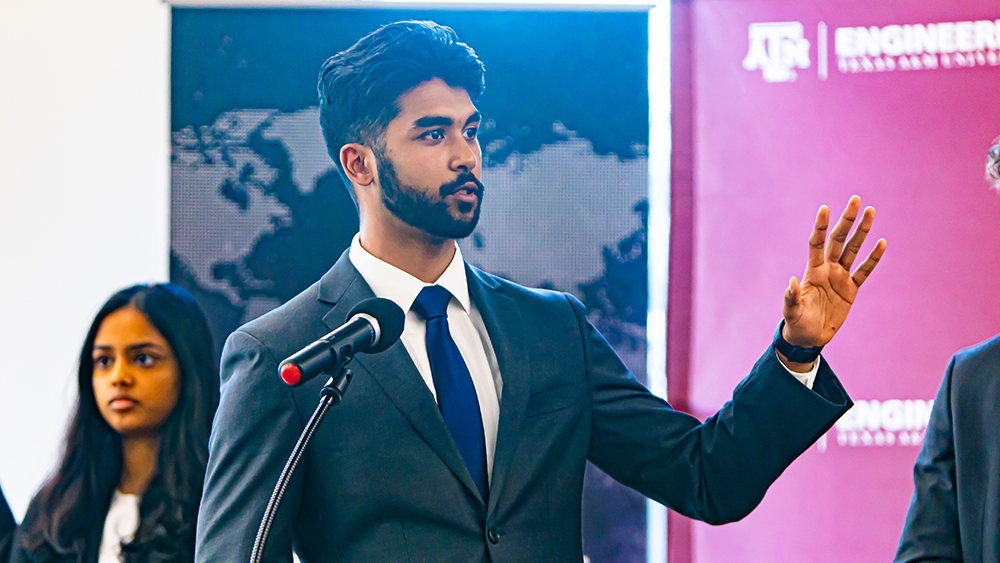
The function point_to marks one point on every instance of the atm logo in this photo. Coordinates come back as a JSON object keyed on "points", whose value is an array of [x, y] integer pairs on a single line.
{"points": [[780, 49], [777, 49]]}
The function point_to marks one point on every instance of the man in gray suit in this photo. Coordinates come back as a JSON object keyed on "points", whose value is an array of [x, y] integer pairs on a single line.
{"points": [[954, 515], [467, 439]]}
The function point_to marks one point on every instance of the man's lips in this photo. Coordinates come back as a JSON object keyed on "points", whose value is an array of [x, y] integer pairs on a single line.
{"points": [[468, 192]]}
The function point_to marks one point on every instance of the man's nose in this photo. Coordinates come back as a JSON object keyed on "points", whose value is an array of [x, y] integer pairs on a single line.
{"points": [[464, 157]]}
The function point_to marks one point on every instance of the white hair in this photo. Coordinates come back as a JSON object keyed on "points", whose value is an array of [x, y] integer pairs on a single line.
{"points": [[993, 165]]}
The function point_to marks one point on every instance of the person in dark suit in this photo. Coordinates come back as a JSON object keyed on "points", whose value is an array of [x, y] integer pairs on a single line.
{"points": [[130, 480], [467, 439], [954, 514]]}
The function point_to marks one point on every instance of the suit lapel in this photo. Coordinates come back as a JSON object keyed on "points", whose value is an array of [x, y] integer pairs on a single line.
{"points": [[393, 370], [503, 323]]}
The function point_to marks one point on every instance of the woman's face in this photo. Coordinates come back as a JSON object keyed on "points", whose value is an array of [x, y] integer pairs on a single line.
{"points": [[136, 376]]}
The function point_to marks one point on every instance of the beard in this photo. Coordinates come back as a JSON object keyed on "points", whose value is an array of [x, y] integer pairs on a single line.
{"points": [[417, 209]]}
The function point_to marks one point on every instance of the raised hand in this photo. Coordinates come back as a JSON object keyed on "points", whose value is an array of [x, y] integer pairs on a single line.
{"points": [[816, 307]]}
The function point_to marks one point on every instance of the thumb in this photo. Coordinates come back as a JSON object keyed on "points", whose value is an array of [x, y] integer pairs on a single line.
{"points": [[792, 295]]}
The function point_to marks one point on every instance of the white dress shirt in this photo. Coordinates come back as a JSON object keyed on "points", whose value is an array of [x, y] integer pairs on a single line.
{"points": [[807, 378], [464, 322]]}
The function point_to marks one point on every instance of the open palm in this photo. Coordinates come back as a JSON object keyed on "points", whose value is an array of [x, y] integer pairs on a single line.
{"points": [[816, 307]]}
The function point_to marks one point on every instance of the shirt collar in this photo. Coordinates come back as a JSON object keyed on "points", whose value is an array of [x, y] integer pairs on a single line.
{"points": [[400, 287]]}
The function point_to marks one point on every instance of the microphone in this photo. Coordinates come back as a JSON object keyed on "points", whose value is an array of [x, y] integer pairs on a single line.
{"points": [[372, 326]]}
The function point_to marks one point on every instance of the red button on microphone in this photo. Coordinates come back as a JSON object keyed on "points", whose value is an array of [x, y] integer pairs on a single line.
{"points": [[290, 374]]}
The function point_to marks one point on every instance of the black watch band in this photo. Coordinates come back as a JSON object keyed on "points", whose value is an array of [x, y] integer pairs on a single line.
{"points": [[796, 354]]}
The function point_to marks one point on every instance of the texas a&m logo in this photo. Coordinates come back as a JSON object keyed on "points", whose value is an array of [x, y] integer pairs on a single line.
{"points": [[777, 49]]}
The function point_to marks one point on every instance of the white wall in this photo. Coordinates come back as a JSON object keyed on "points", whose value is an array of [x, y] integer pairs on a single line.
{"points": [[84, 199]]}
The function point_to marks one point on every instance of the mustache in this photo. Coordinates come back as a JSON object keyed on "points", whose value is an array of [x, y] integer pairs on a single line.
{"points": [[463, 178]]}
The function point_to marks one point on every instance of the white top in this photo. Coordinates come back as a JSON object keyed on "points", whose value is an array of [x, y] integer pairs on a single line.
{"points": [[464, 322], [119, 526]]}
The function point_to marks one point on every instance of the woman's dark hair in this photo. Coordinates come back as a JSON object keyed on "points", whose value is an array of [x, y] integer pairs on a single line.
{"points": [[359, 87], [76, 499]]}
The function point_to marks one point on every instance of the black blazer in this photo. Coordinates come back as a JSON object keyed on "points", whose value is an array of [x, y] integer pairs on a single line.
{"points": [[383, 481], [955, 511]]}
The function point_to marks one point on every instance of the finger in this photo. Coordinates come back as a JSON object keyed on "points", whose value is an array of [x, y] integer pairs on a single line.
{"points": [[792, 294], [869, 264], [858, 238], [839, 234], [818, 238]]}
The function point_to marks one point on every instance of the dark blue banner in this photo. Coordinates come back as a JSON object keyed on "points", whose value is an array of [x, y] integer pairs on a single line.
{"points": [[258, 211]]}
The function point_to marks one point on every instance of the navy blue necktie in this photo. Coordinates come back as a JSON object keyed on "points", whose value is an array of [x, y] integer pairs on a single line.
{"points": [[456, 394]]}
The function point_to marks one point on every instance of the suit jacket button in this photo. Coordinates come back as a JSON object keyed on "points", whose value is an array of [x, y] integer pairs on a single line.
{"points": [[493, 535]]}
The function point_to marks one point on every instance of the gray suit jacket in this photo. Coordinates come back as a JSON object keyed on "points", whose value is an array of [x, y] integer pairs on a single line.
{"points": [[382, 480], [955, 512]]}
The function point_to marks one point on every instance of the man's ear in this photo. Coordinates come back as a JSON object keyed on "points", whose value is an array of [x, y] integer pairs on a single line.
{"points": [[359, 163]]}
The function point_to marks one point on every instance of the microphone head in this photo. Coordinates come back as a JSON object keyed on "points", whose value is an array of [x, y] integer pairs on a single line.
{"points": [[390, 320]]}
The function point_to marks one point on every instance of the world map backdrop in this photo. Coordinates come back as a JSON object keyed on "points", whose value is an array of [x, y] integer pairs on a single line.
{"points": [[259, 212]]}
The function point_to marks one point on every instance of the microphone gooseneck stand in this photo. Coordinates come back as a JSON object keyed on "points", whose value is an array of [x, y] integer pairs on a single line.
{"points": [[331, 395]]}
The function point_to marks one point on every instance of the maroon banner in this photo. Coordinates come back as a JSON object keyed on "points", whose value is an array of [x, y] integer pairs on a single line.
{"points": [[797, 104]]}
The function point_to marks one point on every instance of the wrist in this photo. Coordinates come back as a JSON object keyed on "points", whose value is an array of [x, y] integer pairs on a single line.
{"points": [[791, 353]]}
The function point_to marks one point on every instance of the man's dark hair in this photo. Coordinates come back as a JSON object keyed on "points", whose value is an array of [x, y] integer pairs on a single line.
{"points": [[359, 88]]}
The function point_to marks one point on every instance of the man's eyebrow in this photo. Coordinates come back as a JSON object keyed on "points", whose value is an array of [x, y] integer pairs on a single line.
{"points": [[442, 121], [433, 121]]}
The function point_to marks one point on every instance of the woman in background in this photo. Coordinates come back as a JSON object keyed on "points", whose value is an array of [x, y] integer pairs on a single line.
{"points": [[129, 483]]}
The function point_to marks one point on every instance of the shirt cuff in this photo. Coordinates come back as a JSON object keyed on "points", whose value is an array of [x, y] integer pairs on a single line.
{"points": [[806, 378]]}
